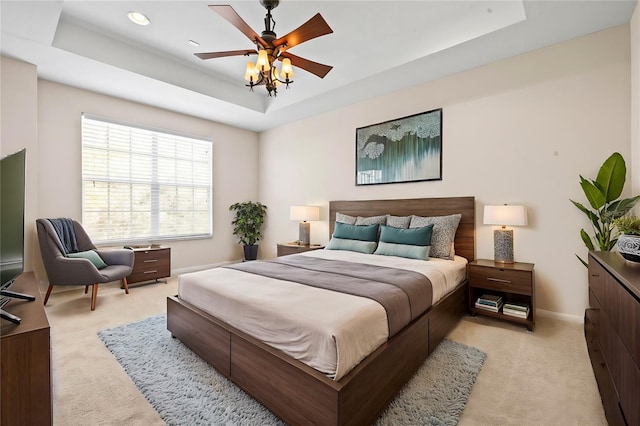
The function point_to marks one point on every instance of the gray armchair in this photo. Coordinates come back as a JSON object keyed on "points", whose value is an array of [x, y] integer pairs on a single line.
{"points": [[63, 270]]}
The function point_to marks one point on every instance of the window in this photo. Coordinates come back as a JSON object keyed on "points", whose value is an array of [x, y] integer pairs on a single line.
{"points": [[143, 185]]}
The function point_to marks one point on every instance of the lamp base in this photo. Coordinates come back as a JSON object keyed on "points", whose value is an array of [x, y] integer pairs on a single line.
{"points": [[503, 245], [304, 230]]}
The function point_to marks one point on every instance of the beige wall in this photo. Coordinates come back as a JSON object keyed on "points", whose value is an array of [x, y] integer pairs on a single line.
{"points": [[235, 163], [44, 118], [635, 102], [517, 131], [18, 119]]}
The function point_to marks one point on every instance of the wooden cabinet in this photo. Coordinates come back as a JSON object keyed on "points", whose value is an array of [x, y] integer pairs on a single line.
{"points": [[514, 282], [293, 248], [150, 264], [25, 367], [612, 332]]}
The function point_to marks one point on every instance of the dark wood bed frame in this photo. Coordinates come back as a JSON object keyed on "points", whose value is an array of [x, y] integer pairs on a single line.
{"points": [[297, 393]]}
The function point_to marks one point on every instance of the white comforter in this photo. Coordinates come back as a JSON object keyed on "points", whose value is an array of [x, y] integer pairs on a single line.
{"points": [[329, 331]]}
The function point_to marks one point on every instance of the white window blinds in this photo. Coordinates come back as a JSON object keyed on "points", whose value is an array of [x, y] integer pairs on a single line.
{"points": [[142, 185]]}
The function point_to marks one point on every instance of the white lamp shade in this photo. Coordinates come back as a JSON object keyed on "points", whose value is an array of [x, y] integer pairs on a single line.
{"points": [[251, 73], [287, 69], [305, 213], [505, 215], [262, 64]]}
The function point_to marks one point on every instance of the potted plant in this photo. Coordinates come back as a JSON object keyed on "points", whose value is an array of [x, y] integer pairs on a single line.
{"points": [[603, 194], [629, 240], [247, 224]]}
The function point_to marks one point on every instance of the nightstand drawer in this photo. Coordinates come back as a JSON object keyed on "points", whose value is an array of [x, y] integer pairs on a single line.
{"points": [[501, 279]]}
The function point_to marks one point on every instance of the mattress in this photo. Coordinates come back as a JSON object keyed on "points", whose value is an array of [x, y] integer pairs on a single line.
{"points": [[327, 330]]}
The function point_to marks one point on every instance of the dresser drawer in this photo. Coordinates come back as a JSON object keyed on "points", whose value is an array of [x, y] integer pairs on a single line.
{"points": [[506, 280]]}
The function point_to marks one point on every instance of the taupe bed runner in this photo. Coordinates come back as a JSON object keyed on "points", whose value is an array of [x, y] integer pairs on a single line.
{"points": [[404, 294]]}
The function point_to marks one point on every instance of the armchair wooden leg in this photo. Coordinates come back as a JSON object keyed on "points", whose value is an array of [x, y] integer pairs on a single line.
{"points": [[94, 296], [125, 285], [46, 297], [86, 289]]}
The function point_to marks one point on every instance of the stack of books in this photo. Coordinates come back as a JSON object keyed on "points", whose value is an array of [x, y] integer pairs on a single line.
{"points": [[489, 302], [520, 310]]}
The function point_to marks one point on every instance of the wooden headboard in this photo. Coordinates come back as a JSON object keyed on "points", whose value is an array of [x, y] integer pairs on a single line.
{"points": [[465, 243]]}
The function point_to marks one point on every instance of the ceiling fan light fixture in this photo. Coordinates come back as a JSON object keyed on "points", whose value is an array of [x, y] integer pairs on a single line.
{"points": [[287, 69], [270, 48], [262, 64], [251, 73], [274, 77], [138, 18]]}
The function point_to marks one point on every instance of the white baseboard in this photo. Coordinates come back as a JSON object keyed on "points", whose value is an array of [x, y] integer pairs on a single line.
{"points": [[560, 316]]}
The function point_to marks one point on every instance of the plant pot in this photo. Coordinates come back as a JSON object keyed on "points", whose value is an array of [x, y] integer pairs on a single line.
{"points": [[251, 252], [629, 247]]}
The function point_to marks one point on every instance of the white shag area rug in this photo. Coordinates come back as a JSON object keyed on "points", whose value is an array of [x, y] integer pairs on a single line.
{"points": [[185, 390]]}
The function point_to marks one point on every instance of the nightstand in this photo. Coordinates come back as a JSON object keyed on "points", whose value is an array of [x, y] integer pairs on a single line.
{"points": [[293, 248], [149, 265], [514, 282]]}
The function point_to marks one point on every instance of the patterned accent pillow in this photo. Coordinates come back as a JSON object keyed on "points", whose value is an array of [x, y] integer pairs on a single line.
{"points": [[398, 221], [345, 218], [372, 220], [444, 232]]}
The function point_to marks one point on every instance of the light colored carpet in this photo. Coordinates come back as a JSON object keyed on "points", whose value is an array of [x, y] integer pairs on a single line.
{"points": [[186, 390], [528, 379]]}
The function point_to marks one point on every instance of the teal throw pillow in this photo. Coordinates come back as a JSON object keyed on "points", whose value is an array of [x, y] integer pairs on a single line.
{"points": [[367, 247], [353, 232], [411, 236], [90, 255], [403, 250]]}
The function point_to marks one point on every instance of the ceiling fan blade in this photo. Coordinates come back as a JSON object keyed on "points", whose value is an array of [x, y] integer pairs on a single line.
{"points": [[313, 67], [228, 13], [211, 55], [314, 27]]}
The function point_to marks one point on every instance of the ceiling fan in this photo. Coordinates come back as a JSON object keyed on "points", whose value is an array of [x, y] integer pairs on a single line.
{"points": [[270, 48]]}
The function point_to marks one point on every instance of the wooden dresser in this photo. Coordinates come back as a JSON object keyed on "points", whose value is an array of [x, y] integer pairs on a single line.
{"points": [[150, 264], [25, 370], [612, 331]]}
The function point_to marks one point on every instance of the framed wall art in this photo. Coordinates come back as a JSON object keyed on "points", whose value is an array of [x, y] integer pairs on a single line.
{"points": [[407, 149]]}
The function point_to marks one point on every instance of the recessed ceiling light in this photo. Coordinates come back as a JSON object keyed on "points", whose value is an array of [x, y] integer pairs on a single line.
{"points": [[138, 18], [193, 43]]}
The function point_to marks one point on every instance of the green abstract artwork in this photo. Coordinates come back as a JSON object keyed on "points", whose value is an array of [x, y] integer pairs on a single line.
{"points": [[403, 150]]}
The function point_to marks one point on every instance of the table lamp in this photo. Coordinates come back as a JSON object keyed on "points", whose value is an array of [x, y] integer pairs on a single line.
{"points": [[503, 238], [304, 214]]}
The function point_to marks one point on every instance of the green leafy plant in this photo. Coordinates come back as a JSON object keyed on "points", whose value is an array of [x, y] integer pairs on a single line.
{"points": [[603, 194], [248, 221], [629, 225]]}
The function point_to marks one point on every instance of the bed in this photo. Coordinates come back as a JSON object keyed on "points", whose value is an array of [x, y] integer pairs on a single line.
{"points": [[300, 394]]}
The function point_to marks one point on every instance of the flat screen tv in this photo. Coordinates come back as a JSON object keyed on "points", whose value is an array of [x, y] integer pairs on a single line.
{"points": [[12, 188]]}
